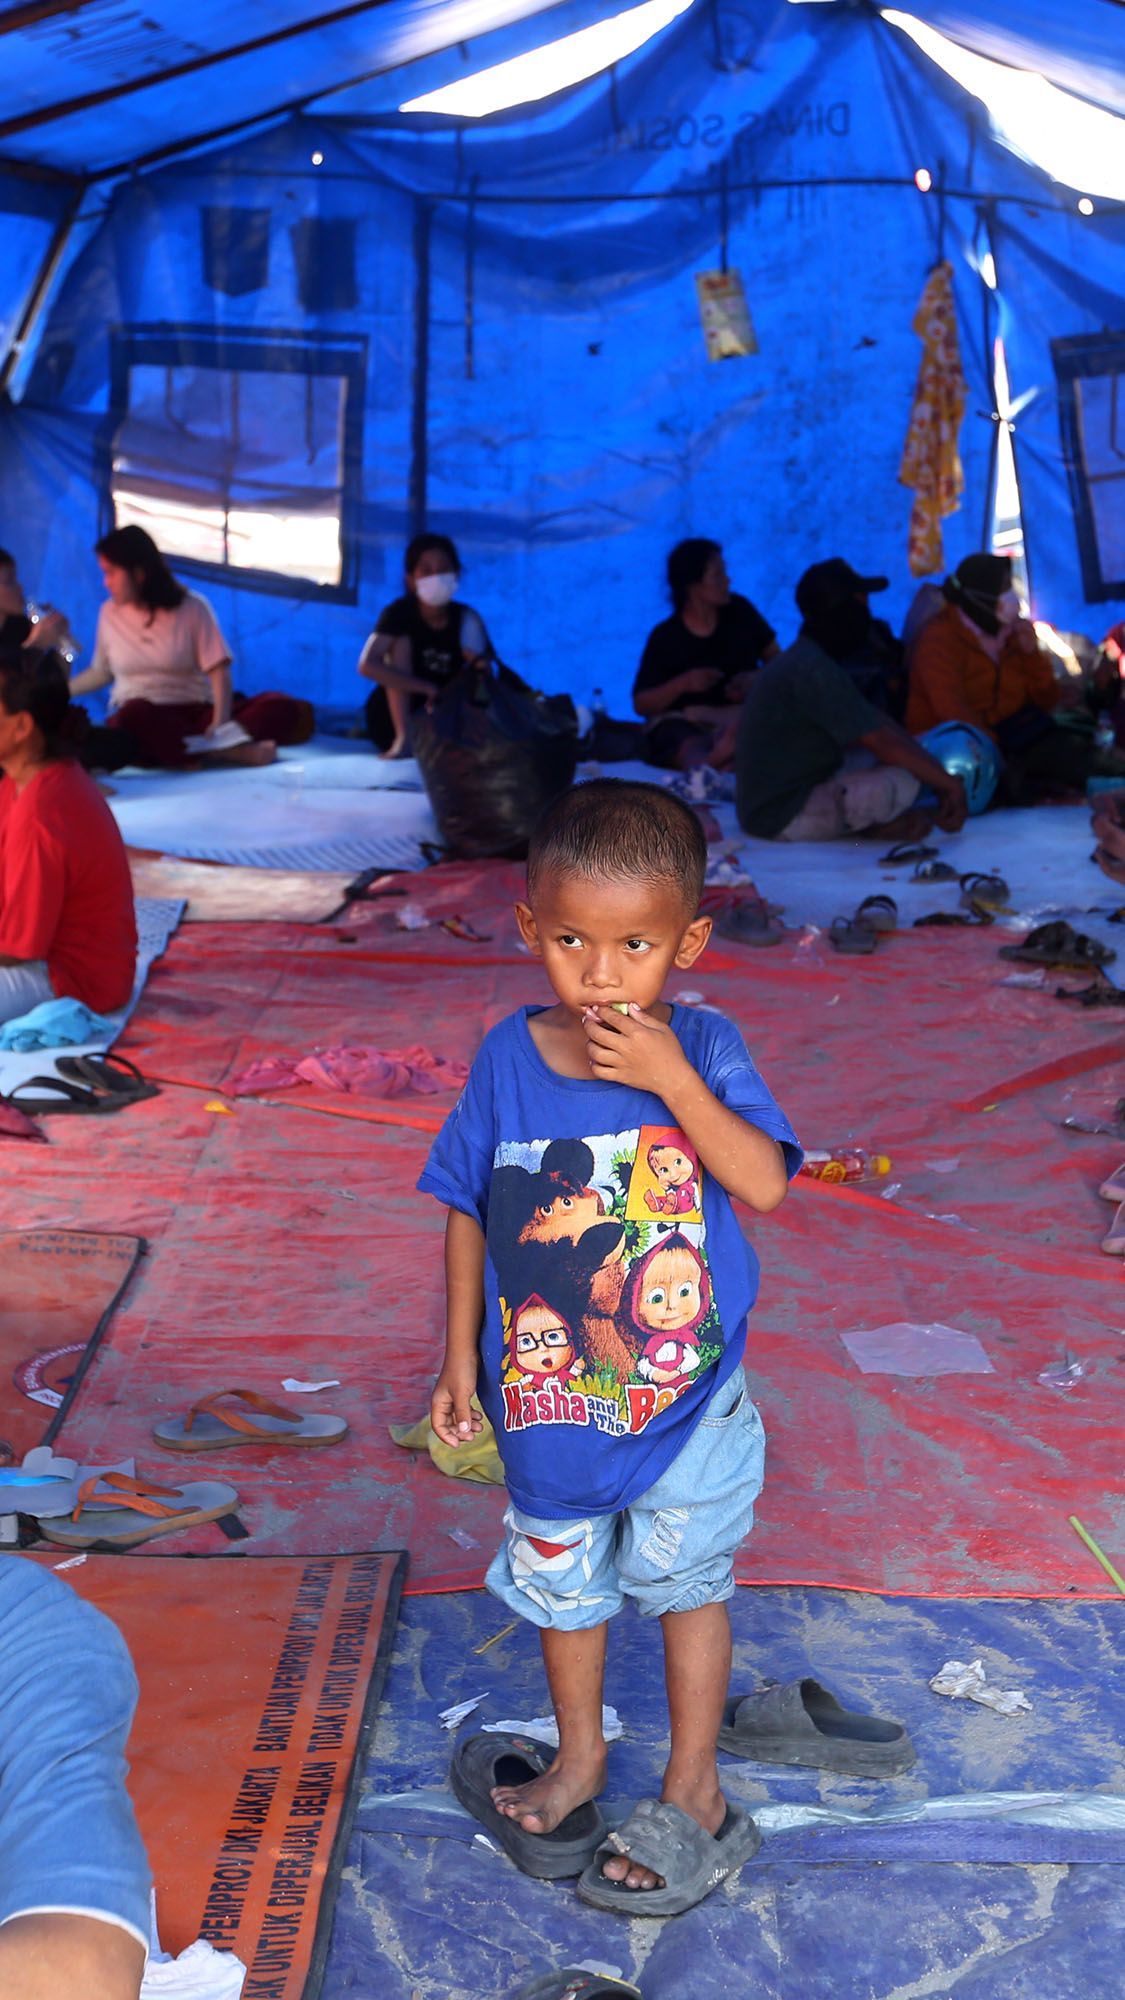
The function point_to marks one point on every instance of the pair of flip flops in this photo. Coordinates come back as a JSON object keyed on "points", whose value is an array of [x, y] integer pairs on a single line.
{"points": [[1058, 944], [1113, 1242], [797, 1723], [656, 1836], [233, 1417], [858, 935], [979, 890], [95, 1084]]}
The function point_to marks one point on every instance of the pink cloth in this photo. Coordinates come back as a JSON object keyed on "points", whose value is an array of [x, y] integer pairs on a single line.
{"points": [[381, 1072]]}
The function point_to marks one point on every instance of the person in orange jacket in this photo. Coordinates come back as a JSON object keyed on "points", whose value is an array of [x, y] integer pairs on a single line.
{"points": [[979, 661]]}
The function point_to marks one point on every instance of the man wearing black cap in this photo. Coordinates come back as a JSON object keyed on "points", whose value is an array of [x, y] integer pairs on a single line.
{"points": [[979, 661], [815, 759]]}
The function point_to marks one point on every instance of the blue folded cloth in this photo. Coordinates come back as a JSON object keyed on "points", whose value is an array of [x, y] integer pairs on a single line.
{"points": [[56, 1024]]}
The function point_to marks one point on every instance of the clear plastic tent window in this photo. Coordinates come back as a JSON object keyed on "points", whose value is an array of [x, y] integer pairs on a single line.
{"points": [[235, 466]]}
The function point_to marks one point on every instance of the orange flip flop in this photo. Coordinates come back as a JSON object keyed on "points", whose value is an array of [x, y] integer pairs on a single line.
{"points": [[112, 1507], [213, 1424]]}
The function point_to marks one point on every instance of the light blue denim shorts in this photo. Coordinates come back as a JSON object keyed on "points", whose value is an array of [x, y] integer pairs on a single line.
{"points": [[671, 1550], [68, 1837]]}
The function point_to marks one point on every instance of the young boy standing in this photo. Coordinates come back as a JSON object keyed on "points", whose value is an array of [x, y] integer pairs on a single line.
{"points": [[606, 1340]]}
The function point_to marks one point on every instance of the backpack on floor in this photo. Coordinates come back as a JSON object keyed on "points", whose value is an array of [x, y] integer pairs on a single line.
{"points": [[493, 754]]}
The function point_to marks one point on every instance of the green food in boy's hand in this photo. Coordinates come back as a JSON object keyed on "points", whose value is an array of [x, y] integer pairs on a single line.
{"points": [[621, 1006]]}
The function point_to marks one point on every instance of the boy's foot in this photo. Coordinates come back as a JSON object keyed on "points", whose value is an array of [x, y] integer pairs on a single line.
{"points": [[707, 1805], [542, 1805]]}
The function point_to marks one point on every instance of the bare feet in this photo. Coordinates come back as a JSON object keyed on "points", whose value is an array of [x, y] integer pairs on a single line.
{"points": [[252, 753], [542, 1804], [244, 753], [703, 1801], [399, 748], [912, 825]]}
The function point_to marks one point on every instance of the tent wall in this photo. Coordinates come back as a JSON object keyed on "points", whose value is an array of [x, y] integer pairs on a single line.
{"points": [[535, 377]]}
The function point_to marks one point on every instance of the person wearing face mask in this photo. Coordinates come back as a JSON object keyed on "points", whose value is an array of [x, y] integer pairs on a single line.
{"points": [[815, 760], [979, 661], [419, 644]]}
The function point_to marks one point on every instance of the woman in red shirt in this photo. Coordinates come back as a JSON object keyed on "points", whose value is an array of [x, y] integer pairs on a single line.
{"points": [[67, 923]]}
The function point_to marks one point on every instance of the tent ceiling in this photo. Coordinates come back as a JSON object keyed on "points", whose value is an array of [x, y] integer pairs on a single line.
{"points": [[94, 86]]}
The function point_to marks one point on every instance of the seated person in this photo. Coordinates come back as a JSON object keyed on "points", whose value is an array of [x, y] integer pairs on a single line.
{"points": [[979, 661], [801, 718], [50, 630], [697, 664], [878, 668], [419, 644], [96, 748], [74, 1879], [67, 923], [160, 652]]}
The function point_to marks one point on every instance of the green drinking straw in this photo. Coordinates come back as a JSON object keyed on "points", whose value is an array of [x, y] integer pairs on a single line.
{"points": [[1104, 1560]]}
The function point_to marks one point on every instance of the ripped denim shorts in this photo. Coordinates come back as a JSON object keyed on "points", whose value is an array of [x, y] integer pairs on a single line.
{"points": [[672, 1550]]}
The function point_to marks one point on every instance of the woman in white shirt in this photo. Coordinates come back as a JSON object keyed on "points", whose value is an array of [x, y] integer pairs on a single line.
{"points": [[160, 651]]}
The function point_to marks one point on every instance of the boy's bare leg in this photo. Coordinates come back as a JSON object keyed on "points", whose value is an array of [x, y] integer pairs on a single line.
{"points": [[44, 1957], [697, 1654], [575, 1663]]}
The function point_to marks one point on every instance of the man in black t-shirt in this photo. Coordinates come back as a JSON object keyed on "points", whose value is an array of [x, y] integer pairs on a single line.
{"points": [[697, 664]]}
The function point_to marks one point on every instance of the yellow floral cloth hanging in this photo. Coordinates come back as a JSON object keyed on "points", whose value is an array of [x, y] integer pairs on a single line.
{"points": [[931, 462]]}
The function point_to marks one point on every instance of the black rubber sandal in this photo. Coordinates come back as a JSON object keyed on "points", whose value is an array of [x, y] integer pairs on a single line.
{"points": [[72, 1097], [668, 1842], [572, 1983], [800, 1722], [906, 851], [111, 1075], [492, 1758]]}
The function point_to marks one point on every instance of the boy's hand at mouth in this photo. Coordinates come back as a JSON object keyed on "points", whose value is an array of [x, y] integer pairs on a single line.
{"points": [[634, 1048]]}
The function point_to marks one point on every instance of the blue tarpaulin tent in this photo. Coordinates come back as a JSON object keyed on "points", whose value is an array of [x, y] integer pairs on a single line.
{"points": [[243, 284]]}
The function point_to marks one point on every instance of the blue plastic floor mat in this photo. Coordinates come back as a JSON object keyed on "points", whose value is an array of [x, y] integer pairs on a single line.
{"points": [[900, 1932], [427, 1909]]}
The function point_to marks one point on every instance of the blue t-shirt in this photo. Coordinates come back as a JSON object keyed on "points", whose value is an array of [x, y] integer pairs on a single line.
{"points": [[617, 1279]]}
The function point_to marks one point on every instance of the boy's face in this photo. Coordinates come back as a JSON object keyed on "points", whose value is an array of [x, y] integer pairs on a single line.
{"points": [[603, 940]]}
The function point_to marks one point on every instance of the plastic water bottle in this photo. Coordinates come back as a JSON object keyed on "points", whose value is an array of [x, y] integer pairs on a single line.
{"points": [[597, 702], [845, 1163]]}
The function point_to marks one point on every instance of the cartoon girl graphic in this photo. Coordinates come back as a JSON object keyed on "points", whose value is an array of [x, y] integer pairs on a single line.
{"points": [[667, 1298], [541, 1344], [675, 1164]]}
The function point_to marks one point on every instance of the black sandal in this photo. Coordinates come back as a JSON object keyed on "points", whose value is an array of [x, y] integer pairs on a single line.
{"points": [[110, 1075]]}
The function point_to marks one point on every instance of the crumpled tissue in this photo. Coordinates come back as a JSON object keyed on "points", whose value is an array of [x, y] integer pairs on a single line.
{"points": [[965, 1680]]}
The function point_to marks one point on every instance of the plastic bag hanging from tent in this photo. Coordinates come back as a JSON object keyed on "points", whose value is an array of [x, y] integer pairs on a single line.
{"points": [[727, 326], [931, 461]]}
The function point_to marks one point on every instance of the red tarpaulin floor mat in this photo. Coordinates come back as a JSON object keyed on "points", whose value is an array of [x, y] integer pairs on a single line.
{"points": [[259, 1683], [290, 1242], [58, 1288]]}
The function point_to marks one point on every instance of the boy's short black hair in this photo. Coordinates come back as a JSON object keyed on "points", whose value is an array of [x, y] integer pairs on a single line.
{"points": [[615, 827]]}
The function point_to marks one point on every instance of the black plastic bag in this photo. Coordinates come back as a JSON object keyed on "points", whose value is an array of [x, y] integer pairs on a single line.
{"points": [[615, 741], [493, 754]]}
